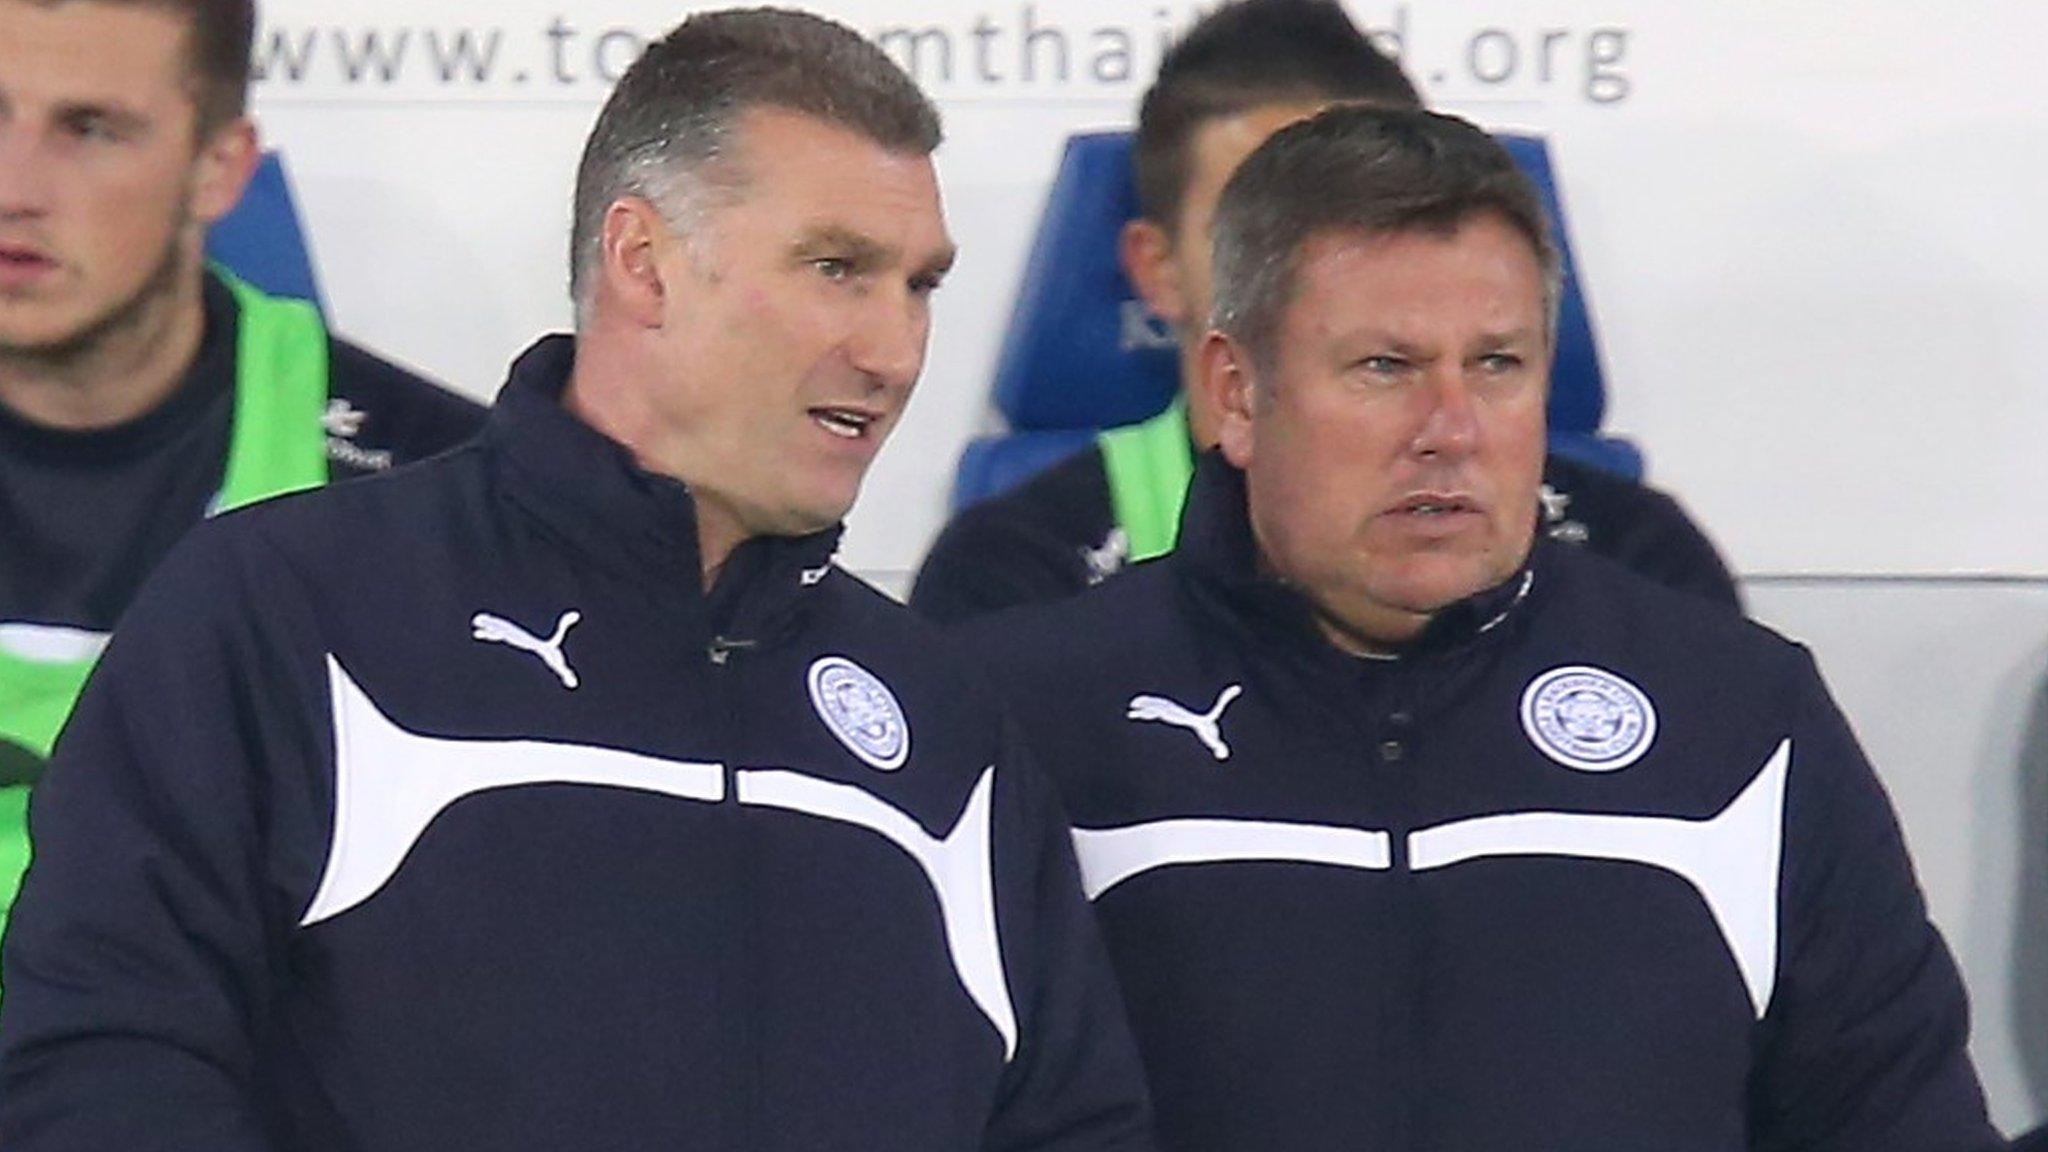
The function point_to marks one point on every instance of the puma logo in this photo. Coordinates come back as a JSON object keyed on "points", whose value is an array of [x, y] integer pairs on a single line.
{"points": [[498, 630], [1207, 726]]}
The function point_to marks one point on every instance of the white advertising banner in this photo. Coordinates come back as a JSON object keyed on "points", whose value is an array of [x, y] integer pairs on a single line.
{"points": [[1809, 234]]}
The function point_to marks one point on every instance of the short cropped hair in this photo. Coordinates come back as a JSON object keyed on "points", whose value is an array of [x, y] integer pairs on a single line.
{"points": [[1246, 55], [218, 36], [1364, 170], [666, 132]]}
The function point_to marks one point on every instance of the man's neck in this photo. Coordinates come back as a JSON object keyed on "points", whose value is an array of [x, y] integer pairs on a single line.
{"points": [[113, 376], [598, 395], [1383, 635], [718, 535]]}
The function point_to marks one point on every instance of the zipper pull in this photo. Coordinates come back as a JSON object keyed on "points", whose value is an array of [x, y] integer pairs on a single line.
{"points": [[721, 649]]}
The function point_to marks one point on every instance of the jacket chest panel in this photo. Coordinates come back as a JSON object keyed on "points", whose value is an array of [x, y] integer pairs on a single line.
{"points": [[1425, 817], [613, 759]]}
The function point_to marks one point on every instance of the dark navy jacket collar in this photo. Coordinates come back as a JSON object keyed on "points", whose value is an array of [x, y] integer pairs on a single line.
{"points": [[1217, 548], [589, 489]]}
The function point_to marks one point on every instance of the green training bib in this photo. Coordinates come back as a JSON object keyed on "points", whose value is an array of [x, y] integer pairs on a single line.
{"points": [[1150, 465], [276, 445]]}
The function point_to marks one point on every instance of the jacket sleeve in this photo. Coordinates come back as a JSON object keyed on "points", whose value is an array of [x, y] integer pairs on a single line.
{"points": [[1075, 1083], [985, 561], [1638, 526], [387, 415], [1671, 549], [141, 958], [1863, 1046]]}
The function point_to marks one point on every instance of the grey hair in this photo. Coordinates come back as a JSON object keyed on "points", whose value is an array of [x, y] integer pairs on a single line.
{"points": [[1359, 169], [667, 132]]}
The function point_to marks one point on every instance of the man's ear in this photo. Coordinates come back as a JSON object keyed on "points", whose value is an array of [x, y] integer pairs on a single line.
{"points": [[1146, 252], [1223, 374], [629, 263], [220, 174]]}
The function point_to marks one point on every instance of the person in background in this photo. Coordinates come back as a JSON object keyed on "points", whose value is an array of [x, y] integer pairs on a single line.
{"points": [[1244, 71], [1412, 828], [560, 792], [140, 389]]}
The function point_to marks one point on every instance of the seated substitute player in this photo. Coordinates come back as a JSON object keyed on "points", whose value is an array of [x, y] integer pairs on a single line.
{"points": [[1241, 73], [559, 792], [1410, 828], [140, 390]]}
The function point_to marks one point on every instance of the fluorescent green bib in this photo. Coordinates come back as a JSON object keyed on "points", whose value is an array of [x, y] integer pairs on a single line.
{"points": [[276, 446], [1149, 467]]}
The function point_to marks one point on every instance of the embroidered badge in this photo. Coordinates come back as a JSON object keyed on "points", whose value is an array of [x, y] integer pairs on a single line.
{"points": [[342, 422], [1108, 558], [1588, 718], [861, 711]]}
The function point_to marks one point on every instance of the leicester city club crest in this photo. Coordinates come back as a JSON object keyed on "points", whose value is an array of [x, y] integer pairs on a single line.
{"points": [[861, 711], [1588, 718]]}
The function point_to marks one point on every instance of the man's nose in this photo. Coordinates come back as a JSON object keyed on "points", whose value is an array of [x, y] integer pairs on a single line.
{"points": [[26, 187], [1450, 426], [890, 344]]}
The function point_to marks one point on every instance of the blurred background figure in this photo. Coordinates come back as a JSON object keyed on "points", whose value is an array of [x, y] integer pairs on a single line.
{"points": [[140, 389]]}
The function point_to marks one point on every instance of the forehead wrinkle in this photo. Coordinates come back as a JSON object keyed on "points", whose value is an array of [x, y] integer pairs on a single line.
{"points": [[109, 80], [1372, 332]]}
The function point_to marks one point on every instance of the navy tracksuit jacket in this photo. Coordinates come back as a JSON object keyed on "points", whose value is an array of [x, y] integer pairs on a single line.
{"points": [[1594, 865], [445, 810]]}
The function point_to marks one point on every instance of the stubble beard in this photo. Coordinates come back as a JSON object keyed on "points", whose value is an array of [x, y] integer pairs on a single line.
{"points": [[127, 320]]}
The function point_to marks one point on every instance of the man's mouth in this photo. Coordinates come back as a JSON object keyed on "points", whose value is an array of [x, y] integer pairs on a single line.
{"points": [[1431, 505], [845, 423], [23, 258]]}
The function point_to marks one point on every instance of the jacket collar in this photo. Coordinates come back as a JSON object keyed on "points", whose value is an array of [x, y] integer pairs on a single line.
{"points": [[588, 489], [1217, 549]]}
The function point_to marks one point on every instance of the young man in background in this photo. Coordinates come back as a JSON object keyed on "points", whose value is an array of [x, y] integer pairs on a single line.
{"points": [[141, 390]]}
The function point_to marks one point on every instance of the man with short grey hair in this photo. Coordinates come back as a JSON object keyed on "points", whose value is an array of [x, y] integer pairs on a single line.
{"points": [[1246, 68], [1410, 829], [588, 804]]}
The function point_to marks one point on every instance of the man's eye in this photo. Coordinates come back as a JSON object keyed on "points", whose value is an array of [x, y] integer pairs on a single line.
{"points": [[90, 126], [1499, 363], [833, 267], [1382, 365], [924, 285]]}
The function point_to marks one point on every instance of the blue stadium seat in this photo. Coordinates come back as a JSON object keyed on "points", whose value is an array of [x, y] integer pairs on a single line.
{"points": [[1083, 353], [262, 241]]}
